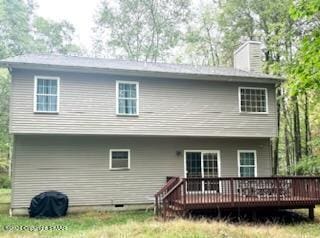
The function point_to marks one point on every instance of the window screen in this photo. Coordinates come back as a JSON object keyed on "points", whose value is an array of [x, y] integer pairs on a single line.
{"points": [[120, 159]]}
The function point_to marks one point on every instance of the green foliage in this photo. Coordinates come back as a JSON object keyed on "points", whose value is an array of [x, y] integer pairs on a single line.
{"points": [[4, 165], [304, 74], [305, 70], [140, 29], [308, 166], [14, 27], [307, 9], [5, 139], [23, 32], [5, 181], [267, 21], [54, 37], [236, 20], [5, 196], [202, 40]]}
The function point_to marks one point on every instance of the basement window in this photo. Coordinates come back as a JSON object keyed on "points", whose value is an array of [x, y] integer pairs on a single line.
{"points": [[119, 159], [253, 100]]}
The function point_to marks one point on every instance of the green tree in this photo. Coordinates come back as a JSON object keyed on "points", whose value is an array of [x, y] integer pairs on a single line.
{"points": [[54, 37], [306, 67], [4, 114], [140, 29], [267, 21], [202, 40], [305, 79], [271, 23], [22, 32], [15, 39], [236, 21], [15, 35]]}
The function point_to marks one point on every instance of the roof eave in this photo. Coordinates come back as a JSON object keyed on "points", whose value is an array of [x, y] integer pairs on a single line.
{"points": [[140, 73]]}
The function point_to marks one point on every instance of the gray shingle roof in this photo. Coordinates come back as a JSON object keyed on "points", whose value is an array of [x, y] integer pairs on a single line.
{"points": [[74, 62]]}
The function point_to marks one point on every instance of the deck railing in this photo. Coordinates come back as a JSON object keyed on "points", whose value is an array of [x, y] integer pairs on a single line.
{"points": [[159, 196], [182, 194]]}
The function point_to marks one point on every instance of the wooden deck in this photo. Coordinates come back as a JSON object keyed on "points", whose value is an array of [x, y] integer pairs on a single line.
{"points": [[180, 195]]}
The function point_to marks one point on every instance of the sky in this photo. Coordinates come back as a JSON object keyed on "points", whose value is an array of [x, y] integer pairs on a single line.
{"points": [[78, 12]]}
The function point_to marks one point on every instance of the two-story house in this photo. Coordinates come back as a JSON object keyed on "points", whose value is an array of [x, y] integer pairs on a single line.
{"points": [[107, 133]]}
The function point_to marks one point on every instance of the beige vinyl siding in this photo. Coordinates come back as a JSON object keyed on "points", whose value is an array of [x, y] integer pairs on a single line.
{"points": [[255, 58], [79, 165], [248, 57], [242, 57], [167, 107]]}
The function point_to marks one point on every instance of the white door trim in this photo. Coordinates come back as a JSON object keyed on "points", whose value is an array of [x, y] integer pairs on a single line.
{"points": [[202, 169], [202, 151]]}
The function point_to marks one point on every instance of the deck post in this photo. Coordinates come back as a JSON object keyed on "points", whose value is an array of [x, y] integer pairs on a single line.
{"points": [[184, 194], [232, 192], [239, 214], [254, 215], [164, 210], [278, 190], [311, 213], [156, 208], [219, 213]]}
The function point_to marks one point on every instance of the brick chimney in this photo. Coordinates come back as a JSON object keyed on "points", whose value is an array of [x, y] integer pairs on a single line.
{"points": [[248, 57]]}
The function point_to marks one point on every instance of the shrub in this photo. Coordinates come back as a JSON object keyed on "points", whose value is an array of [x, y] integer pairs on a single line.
{"points": [[5, 181], [308, 166]]}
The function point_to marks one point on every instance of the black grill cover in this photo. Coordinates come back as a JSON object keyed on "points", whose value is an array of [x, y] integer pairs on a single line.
{"points": [[49, 204]]}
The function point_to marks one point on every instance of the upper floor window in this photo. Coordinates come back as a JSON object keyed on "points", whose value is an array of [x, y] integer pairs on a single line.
{"points": [[247, 163], [253, 100], [46, 98], [127, 98]]}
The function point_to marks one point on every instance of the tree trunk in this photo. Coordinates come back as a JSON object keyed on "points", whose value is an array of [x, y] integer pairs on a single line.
{"points": [[286, 135], [307, 125], [213, 63], [276, 140], [292, 137], [296, 125]]}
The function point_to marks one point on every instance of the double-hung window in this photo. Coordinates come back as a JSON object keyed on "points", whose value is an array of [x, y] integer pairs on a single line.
{"points": [[253, 100], [247, 163], [127, 98], [119, 159], [46, 95]]}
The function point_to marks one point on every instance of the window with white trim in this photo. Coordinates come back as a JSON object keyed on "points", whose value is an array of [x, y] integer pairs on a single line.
{"points": [[127, 98], [247, 163], [120, 159], [253, 100], [46, 97]]}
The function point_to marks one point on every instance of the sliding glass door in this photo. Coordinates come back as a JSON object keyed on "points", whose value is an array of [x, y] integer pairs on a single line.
{"points": [[202, 164]]}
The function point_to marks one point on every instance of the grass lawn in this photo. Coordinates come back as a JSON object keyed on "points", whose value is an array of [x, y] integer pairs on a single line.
{"points": [[143, 224]]}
